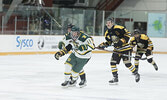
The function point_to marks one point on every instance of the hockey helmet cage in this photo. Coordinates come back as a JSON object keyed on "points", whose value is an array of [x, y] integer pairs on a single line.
{"points": [[75, 32]]}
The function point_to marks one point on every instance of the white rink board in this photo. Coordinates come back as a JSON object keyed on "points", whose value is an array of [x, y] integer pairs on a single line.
{"points": [[39, 43], [24, 43]]}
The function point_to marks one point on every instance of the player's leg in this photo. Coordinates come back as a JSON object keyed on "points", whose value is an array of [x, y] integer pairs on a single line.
{"points": [[70, 62], [137, 57], [115, 59], [150, 59], [83, 78], [77, 69], [132, 68], [74, 78], [67, 75]]}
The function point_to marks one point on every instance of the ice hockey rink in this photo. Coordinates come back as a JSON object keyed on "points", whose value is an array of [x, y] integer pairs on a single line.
{"points": [[39, 77]]}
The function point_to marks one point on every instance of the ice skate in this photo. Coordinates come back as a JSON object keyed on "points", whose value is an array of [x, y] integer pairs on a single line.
{"points": [[72, 83], [65, 84], [137, 77], [137, 69], [82, 83], [114, 81], [156, 67]]}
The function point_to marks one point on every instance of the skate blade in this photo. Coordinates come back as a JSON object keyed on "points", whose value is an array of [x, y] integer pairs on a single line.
{"points": [[81, 86], [115, 83], [74, 85], [65, 86], [156, 68], [137, 79]]}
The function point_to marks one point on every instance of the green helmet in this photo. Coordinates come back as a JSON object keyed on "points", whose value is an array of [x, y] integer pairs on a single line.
{"points": [[75, 32], [74, 28]]}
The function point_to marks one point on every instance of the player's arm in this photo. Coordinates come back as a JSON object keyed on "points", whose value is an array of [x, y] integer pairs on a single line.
{"points": [[132, 42], [146, 41], [64, 47], [64, 42], [87, 45], [104, 45], [125, 36], [107, 43], [150, 45], [63, 51]]}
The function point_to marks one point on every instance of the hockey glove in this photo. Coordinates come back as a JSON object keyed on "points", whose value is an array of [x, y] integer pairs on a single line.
{"points": [[60, 54], [102, 45], [83, 47], [149, 51], [61, 45], [63, 51], [57, 55]]}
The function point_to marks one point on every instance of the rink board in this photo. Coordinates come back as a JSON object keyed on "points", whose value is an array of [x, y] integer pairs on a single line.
{"points": [[48, 44]]}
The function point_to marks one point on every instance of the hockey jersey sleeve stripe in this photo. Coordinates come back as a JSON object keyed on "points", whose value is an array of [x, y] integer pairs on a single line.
{"points": [[127, 35], [91, 46]]}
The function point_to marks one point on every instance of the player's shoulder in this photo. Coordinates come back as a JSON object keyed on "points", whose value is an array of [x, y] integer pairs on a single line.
{"points": [[67, 36], [144, 37], [132, 38], [118, 27], [83, 36]]}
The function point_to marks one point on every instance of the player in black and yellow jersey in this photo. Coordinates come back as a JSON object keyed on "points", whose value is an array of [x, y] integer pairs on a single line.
{"points": [[144, 46], [118, 36]]}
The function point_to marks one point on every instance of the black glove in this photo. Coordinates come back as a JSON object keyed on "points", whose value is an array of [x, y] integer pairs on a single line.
{"points": [[101, 46], [118, 44], [83, 47], [60, 54], [148, 51]]}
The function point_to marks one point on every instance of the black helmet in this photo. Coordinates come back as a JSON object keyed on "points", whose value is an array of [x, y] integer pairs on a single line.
{"points": [[137, 31], [70, 25]]}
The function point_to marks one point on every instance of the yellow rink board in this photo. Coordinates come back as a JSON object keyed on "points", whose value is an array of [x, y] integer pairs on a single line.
{"points": [[51, 52]]}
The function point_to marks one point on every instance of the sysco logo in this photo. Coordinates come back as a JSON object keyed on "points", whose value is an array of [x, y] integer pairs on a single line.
{"points": [[23, 43]]}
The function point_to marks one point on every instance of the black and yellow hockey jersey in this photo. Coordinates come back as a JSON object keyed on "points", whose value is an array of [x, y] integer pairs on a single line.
{"points": [[118, 33], [143, 42]]}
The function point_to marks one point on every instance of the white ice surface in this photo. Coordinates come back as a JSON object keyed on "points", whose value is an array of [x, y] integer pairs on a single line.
{"points": [[39, 77]]}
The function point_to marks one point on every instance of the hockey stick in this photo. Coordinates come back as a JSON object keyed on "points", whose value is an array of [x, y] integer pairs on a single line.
{"points": [[121, 53]]}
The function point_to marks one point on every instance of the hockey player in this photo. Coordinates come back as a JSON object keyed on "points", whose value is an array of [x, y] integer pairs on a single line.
{"points": [[144, 46], [118, 36], [62, 45], [81, 45]]}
